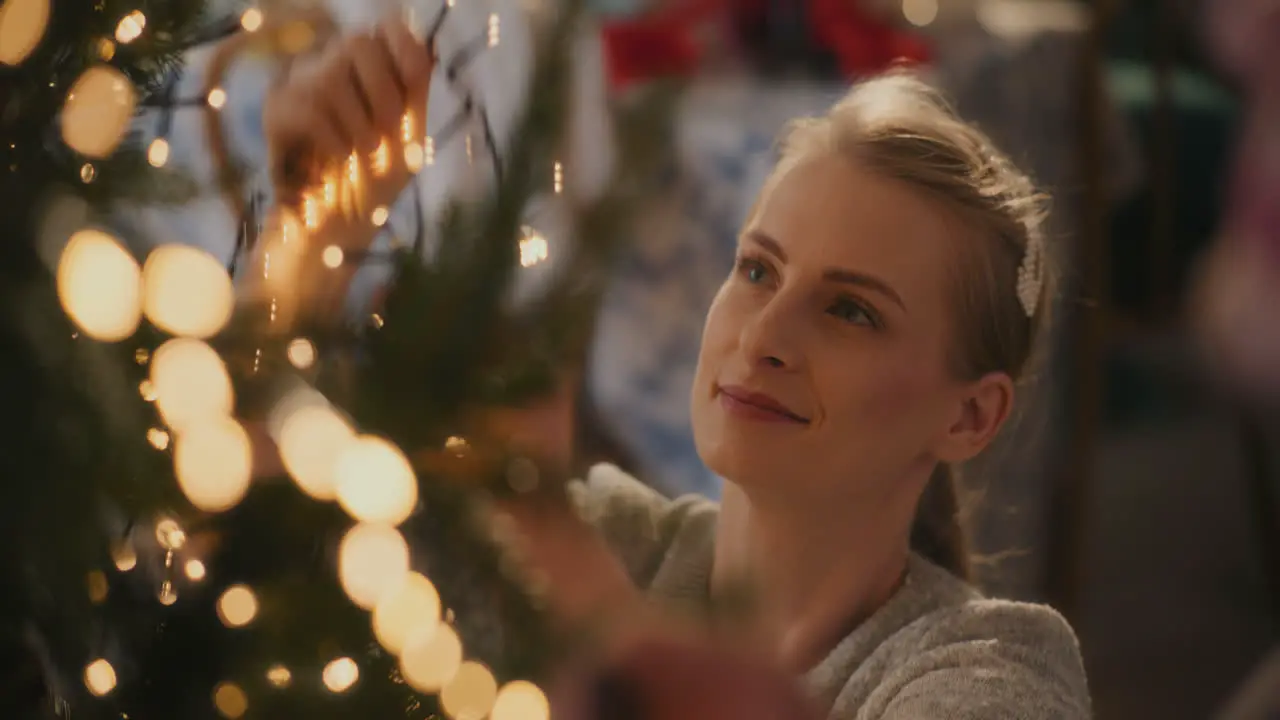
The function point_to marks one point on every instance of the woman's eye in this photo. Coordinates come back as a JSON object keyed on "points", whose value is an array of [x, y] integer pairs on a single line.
{"points": [[754, 271], [853, 312]]}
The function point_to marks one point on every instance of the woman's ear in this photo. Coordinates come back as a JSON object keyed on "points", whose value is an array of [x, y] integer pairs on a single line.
{"points": [[984, 406]]}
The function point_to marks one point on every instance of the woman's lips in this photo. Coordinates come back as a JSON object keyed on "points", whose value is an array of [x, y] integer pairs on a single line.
{"points": [[752, 405]]}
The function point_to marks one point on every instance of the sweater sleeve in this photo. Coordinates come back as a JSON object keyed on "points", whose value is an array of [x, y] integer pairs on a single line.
{"points": [[988, 660], [642, 527]]}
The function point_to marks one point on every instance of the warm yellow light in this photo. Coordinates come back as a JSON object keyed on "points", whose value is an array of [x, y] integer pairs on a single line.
{"points": [[302, 353], [158, 438], [124, 556], [469, 695], [214, 463], [520, 700], [279, 676], [332, 257], [147, 390], [406, 127], [237, 606], [251, 20], [230, 700], [22, 24], [413, 156], [920, 12], [97, 582], [87, 173], [100, 286], [106, 49], [431, 658], [167, 595], [130, 27], [413, 605], [310, 438], [376, 484], [310, 211], [340, 674], [195, 570], [100, 677], [217, 98], [380, 216], [558, 178], [429, 151], [170, 534], [533, 247], [158, 152], [190, 381], [494, 31], [187, 291], [372, 560], [380, 162]]}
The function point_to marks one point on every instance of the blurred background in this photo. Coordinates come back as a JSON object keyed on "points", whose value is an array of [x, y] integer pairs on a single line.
{"points": [[1139, 492]]}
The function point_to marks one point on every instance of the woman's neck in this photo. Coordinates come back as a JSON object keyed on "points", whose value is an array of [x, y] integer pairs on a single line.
{"points": [[817, 572]]}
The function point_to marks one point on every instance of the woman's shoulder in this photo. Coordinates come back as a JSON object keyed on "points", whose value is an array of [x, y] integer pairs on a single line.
{"points": [[973, 658], [657, 538]]}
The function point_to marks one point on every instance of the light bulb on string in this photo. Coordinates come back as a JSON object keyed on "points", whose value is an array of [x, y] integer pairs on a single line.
{"points": [[431, 658], [217, 98], [302, 353], [99, 285], [237, 606], [158, 438], [557, 178], [380, 216], [470, 693], [533, 247], [130, 27], [429, 151], [98, 588], [22, 25], [170, 534], [251, 20], [493, 30], [413, 156], [124, 556], [98, 111], [187, 291], [99, 677], [380, 162], [372, 560], [279, 676], [520, 700], [158, 152], [340, 674], [194, 570], [413, 605], [214, 463], [88, 173], [376, 483], [230, 700], [191, 382], [311, 436], [106, 49]]}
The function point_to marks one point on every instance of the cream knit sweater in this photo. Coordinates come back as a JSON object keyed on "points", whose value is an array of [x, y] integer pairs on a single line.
{"points": [[936, 650]]}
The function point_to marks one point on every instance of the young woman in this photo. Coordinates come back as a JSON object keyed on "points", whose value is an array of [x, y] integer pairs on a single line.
{"points": [[889, 287]]}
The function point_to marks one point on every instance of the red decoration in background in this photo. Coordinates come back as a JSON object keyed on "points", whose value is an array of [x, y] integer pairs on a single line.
{"points": [[662, 43]]}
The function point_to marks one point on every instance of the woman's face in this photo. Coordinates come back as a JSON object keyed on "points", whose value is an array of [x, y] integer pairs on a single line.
{"points": [[823, 366]]}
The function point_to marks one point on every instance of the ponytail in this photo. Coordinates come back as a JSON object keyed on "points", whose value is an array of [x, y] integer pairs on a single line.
{"points": [[938, 533]]}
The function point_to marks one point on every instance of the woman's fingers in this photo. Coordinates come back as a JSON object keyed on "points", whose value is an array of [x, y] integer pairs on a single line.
{"points": [[378, 82], [412, 58]]}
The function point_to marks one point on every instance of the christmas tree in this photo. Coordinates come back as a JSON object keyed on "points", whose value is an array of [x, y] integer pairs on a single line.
{"points": [[150, 571]]}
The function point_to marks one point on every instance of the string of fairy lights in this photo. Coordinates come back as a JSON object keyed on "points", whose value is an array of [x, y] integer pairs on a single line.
{"points": [[189, 294]]}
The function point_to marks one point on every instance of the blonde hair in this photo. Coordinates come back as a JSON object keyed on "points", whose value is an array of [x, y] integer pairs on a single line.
{"points": [[900, 127]]}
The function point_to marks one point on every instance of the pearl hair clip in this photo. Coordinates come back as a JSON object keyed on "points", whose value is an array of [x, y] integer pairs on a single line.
{"points": [[1030, 276]]}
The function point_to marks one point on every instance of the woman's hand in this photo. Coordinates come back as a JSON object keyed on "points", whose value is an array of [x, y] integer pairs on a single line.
{"points": [[349, 97]]}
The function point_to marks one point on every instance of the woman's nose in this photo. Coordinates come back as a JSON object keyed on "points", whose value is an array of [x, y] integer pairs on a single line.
{"points": [[767, 338]]}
